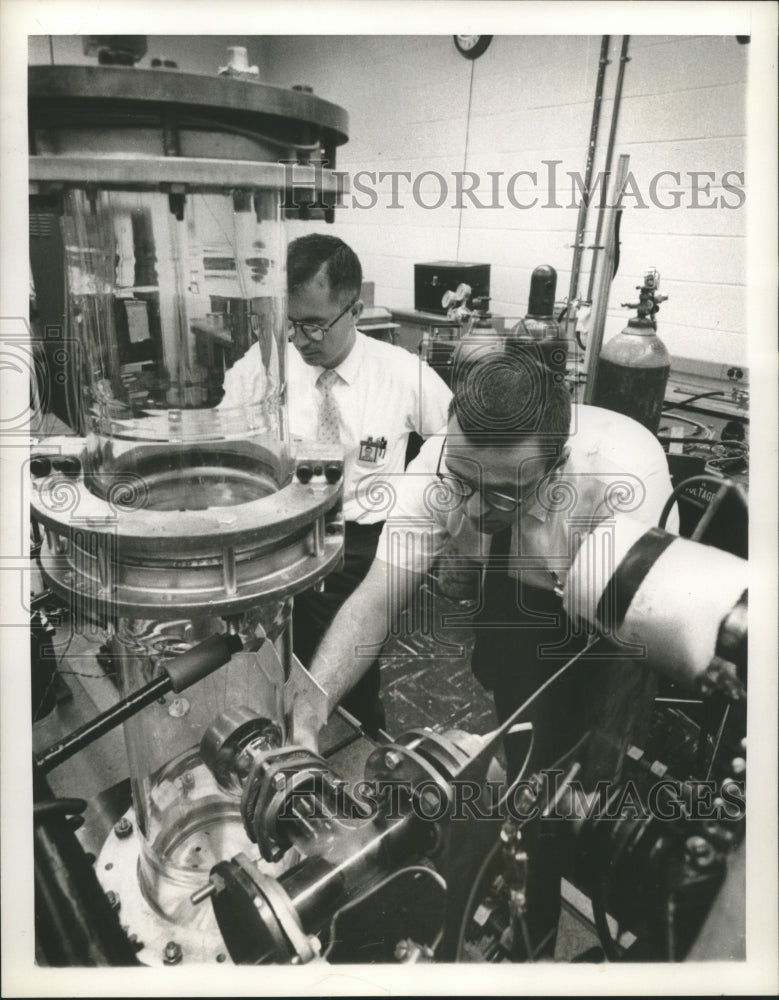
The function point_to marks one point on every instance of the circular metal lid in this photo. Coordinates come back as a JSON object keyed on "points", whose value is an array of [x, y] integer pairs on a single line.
{"points": [[113, 91]]}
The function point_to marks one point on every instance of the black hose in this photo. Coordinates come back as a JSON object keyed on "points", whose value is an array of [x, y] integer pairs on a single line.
{"points": [[178, 673], [691, 399], [692, 481], [55, 807]]}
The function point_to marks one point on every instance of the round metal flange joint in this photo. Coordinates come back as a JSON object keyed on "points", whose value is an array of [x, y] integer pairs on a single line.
{"points": [[273, 779], [256, 917]]}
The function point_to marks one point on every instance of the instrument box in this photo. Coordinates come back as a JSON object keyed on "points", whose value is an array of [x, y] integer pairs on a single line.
{"points": [[433, 279]]}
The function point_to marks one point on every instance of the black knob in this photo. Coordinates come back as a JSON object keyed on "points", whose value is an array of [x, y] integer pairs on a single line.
{"points": [[40, 466]]}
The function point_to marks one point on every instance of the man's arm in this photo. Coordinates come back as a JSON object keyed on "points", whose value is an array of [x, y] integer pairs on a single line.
{"points": [[431, 411], [355, 637]]}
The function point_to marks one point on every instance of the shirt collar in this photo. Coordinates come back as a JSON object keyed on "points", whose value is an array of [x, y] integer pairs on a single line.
{"points": [[539, 507], [351, 364]]}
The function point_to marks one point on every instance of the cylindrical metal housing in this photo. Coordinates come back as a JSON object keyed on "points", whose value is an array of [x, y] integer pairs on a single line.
{"points": [[640, 587]]}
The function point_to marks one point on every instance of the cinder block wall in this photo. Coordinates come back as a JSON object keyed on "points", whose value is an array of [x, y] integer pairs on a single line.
{"points": [[416, 105]]}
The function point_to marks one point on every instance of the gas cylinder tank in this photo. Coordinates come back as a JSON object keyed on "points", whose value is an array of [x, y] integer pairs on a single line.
{"points": [[632, 373], [539, 327]]}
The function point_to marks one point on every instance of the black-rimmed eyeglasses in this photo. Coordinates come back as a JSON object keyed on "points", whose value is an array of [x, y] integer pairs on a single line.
{"points": [[464, 490], [314, 331]]}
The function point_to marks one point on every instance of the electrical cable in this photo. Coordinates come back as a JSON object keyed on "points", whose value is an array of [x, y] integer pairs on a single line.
{"points": [[699, 427], [490, 856], [672, 405], [694, 481], [465, 151], [472, 897], [419, 869]]}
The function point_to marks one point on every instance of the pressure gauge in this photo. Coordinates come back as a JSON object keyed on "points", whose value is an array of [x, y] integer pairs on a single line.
{"points": [[472, 46]]}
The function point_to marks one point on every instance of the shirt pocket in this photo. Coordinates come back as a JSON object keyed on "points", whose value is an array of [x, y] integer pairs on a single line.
{"points": [[372, 453]]}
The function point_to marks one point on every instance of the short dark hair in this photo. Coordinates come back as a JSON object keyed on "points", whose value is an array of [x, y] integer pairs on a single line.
{"points": [[504, 393], [307, 254]]}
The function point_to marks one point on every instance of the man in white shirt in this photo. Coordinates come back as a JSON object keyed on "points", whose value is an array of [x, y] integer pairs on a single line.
{"points": [[521, 475], [347, 388]]}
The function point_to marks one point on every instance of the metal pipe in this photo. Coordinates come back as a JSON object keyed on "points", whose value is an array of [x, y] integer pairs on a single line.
{"points": [[585, 200], [623, 58]]}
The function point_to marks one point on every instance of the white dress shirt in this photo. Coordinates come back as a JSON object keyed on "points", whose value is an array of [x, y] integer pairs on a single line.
{"points": [[611, 465], [383, 393]]}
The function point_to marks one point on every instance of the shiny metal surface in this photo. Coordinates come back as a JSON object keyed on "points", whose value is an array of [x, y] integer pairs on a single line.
{"points": [[251, 102]]}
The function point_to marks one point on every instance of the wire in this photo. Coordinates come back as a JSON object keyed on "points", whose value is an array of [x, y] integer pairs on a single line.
{"points": [[471, 898], [417, 869], [720, 731], [692, 399], [465, 152], [699, 427]]}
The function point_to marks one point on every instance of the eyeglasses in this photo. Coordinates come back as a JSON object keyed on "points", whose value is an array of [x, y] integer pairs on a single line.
{"points": [[463, 490], [314, 331]]}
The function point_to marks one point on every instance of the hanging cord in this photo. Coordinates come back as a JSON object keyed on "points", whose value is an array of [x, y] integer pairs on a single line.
{"points": [[465, 153]]}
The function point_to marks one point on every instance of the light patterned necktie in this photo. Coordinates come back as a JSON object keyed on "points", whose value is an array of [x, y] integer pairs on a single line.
{"points": [[329, 431]]}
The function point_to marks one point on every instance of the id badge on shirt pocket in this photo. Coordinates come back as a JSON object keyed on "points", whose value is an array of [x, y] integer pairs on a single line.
{"points": [[372, 451]]}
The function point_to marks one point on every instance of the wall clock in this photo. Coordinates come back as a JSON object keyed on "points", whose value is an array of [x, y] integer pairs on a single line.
{"points": [[472, 46]]}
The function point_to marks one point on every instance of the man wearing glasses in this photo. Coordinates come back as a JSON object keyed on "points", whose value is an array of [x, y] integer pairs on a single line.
{"points": [[517, 473], [345, 388]]}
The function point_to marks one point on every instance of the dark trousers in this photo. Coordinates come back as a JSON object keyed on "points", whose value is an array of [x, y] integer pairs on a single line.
{"points": [[313, 612]]}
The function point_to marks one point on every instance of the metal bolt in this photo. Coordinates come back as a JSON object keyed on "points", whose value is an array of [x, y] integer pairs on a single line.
{"points": [[123, 828], [278, 781], [178, 708], [391, 760], [172, 954], [201, 894], [739, 765], [401, 950], [221, 957], [113, 899], [697, 846], [700, 851]]}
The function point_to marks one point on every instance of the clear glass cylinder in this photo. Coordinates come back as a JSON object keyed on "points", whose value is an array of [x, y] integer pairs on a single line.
{"points": [[166, 292], [186, 821]]}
